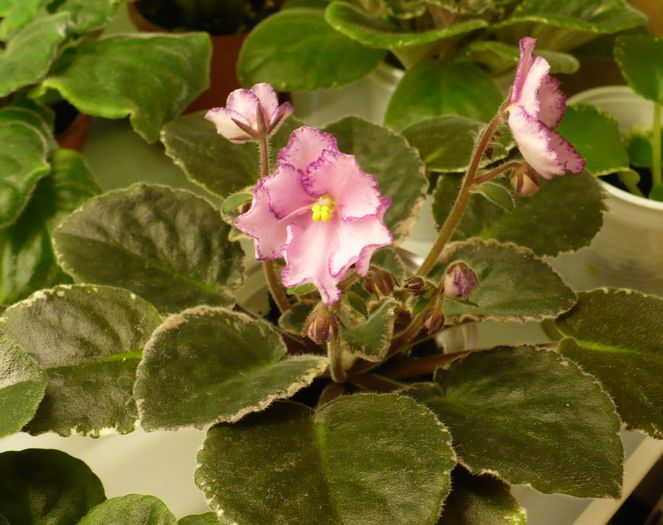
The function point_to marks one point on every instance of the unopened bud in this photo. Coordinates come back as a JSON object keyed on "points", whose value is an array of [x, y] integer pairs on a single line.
{"points": [[525, 181], [415, 285], [460, 281], [384, 282], [321, 326], [433, 321]]}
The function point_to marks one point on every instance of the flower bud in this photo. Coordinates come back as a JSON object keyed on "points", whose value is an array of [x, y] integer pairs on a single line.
{"points": [[383, 282], [321, 326], [460, 281], [433, 321], [415, 285], [525, 181]]}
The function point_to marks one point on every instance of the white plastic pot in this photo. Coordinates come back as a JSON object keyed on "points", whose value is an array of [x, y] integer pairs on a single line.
{"points": [[628, 251]]}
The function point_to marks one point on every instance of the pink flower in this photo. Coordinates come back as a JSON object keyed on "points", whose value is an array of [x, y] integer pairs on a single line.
{"points": [[248, 113], [319, 211], [537, 105]]}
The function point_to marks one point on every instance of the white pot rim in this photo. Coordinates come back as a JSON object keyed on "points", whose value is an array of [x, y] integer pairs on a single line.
{"points": [[586, 97]]}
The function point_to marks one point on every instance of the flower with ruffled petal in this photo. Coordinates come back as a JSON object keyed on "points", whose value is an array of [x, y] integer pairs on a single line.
{"points": [[319, 211], [536, 107], [249, 113]]}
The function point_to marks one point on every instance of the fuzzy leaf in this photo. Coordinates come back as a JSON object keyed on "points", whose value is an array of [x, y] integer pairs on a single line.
{"points": [[207, 365], [133, 509], [150, 78], [46, 487], [484, 500], [370, 338], [209, 518], [293, 319], [16, 14], [434, 88], [168, 246], [29, 55], [394, 163], [560, 25], [640, 58], [499, 57], [369, 459], [297, 49], [617, 336], [88, 16], [513, 284], [446, 143], [26, 142], [379, 33], [595, 135], [529, 416], [537, 222], [389, 260], [22, 385], [89, 341], [639, 145], [28, 262], [498, 194]]}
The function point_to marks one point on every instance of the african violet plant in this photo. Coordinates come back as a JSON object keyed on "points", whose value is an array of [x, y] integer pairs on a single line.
{"points": [[339, 406], [451, 50], [52, 53]]}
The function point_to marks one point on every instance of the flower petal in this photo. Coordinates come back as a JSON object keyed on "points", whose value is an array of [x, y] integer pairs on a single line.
{"points": [[529, 92], [244, 102], [545, 150], [268, 100], [307, 252], [358, 239], [222, 119], [305, 146], [260, 223], [552, 102], [356, 193], [527, 45], [286, 193]]}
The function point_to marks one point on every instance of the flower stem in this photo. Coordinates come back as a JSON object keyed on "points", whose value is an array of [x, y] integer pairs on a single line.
{"points": [[423, 366], [374, 382], [335, 353], [263, 147], [511, 165], [463, 198], [656, 175]]}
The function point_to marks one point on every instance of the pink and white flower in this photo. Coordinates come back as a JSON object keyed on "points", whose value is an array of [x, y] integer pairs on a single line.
{"points": [[319, 211], [536, 107], [249, 113]]}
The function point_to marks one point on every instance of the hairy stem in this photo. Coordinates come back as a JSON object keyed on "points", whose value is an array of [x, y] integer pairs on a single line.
{"points": [[511, 165], [656, 175], [374, 382], [335, 353], [463, 198], [423, 366]]}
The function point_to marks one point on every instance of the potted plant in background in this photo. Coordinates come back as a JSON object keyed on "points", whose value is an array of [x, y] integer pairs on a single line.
{"points": [[446, 53], [228, 23], [382, 426], [53, 57]]}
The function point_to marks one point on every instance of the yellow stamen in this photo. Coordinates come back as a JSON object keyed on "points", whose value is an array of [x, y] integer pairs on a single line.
{"points": [[323, 209]]}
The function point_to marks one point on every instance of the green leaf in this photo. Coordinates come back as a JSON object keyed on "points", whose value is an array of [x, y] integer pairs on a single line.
{"points": [[22, 385], [500, 57], [434, 88], [529, 416], [89, 340], [514, 284], [208, 518], [88, 16], [28, 56], [595, 135], [484, 500], [46, 486], [640, 58], [617, 336], [536, 221], [168, 246], [207, 365], [378, 33], [28, 262], [656, 193], [370, 338], [389, 260], [297, 49], [394, 163], [639, 145], [16, 14], [26, 142], [369, 459], [293, 319], [565, 24], [133, 509], [446, 143], [497, 194], [150, 78]]}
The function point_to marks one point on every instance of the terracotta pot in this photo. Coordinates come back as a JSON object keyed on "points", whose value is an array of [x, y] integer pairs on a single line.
{"points": [[223, 75], [75, 135]]}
